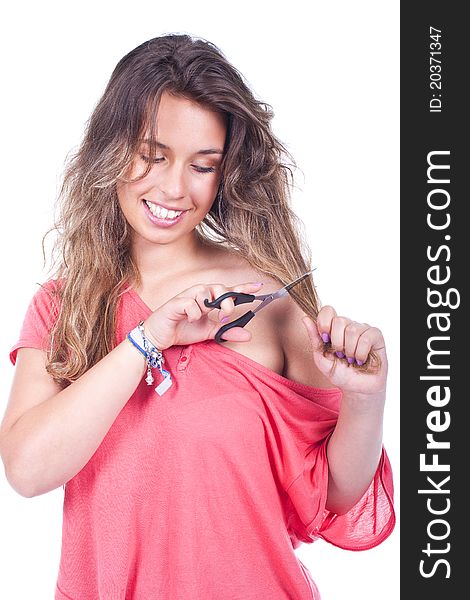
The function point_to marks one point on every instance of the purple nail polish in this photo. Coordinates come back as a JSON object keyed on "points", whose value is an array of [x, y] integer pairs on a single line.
{"points": [[360, 362], [224, 320], [350, 360], [325, 337], [339, 354]]}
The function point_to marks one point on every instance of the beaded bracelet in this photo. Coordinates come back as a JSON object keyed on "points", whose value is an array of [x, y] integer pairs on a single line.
{"points": [[153, 357]]}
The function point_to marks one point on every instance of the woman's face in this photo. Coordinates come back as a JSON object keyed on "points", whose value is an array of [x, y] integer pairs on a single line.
{"points": [[178, 192]]}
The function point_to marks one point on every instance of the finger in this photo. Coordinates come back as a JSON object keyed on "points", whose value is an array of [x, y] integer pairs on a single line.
{"points": [[313, 333], [204, 293], [352, 334], [196, 293], [338, 326], [227, 305], [324, 320], [249, 287], [323, 360], [181, 308], [192, 310], [370, 339]]}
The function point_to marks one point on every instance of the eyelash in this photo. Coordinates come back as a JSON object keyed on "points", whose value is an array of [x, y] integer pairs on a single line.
{"points": [[198, 169]]}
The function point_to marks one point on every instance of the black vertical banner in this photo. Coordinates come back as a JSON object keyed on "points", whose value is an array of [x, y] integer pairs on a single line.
{"points": [[435, 314]]}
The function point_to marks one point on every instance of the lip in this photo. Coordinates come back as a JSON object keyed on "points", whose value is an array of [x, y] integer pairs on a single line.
{"points": [[165, 205], [163, 222]]}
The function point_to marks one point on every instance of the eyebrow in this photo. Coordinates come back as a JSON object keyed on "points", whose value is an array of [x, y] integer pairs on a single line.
{"points": [[165, 147]]}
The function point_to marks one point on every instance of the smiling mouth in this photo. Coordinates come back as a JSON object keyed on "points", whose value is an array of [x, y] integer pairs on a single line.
{"points": [[162, 213]]}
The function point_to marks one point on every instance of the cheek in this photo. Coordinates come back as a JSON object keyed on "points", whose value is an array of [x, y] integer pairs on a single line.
{"points": [[122, 192], [125, 189], [128, 191], [204, 191], [135, 169]]}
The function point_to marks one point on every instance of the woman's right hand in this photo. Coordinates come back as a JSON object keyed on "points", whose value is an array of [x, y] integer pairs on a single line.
{"points": [[186, 320]]}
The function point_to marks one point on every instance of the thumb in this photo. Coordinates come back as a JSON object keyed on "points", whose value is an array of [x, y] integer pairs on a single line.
{"points": [[313, 334], [323, 361]]}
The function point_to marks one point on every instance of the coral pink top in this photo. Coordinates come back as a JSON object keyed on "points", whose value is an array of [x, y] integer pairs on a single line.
{"points": [[203, 493]]}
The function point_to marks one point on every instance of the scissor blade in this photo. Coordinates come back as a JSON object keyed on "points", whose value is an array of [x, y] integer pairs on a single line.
{"points": [[282, 292], [298, 280]]}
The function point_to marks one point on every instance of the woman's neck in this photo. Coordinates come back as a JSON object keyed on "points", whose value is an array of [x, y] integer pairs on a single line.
{"points": [[158, 261]]}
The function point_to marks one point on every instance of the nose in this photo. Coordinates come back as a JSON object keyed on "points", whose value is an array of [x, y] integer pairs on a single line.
{"points": [[171, 181]]}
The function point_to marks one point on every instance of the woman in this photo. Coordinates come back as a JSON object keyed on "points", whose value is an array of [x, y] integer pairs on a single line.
{"points": [[202, 486]]}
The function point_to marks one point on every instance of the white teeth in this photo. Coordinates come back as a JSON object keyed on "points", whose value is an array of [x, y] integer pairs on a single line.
{"points": [[162, 213]]}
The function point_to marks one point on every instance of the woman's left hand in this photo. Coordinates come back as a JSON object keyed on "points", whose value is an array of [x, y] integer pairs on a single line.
{"points": [[349, 343]]}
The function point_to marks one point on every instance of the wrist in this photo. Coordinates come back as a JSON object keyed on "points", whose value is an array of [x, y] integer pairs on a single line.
{"points": [[364, 402], [152, 338], [153, 357], [128, 342]]}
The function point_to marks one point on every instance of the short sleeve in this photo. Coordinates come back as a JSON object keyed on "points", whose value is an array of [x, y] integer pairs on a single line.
{"points": [[366, 525], [38, 321]]}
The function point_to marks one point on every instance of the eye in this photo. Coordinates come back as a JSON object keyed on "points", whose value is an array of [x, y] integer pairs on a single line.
{"points": [[204, 169], [147, 159]]}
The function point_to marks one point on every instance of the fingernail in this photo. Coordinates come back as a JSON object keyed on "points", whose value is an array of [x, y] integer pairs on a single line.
{"points": [[325, 337], [339, 354], [224, 320], [257, 283], [360, 362], [350, 360]]}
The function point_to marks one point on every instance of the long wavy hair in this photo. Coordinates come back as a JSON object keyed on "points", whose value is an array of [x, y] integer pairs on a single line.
{"points": [[251, 214]]}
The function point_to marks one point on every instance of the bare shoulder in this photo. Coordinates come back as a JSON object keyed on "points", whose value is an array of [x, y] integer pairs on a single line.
{"points": [[279, 338], [298, 359], [231, 268]]}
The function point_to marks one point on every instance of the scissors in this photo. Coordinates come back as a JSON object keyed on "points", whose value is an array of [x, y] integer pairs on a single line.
{"points": [[241, 298]]}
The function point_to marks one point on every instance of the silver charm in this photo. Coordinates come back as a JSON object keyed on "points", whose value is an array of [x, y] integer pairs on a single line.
{"points": [[149, 379]]}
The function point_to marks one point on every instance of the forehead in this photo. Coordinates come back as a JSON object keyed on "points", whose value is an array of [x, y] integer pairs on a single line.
{"points": [[180, 119]]}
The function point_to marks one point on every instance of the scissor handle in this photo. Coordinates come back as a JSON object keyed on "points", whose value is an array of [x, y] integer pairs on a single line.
{"points": [[240, 322], [238, 298]]}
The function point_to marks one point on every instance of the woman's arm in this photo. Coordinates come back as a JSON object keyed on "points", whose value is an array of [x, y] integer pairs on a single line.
{"points": [[354, 450], [355, 446], [49, 434]]}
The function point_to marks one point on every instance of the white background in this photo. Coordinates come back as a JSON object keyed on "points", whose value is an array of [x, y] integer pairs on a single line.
{"points": [[331, 73]]}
